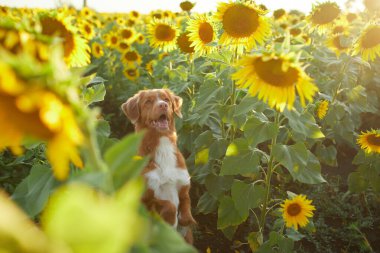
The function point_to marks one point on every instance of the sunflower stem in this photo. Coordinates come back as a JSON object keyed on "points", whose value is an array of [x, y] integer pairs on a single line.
{"points": [[268, 177], [343, 74], [94, 157]]}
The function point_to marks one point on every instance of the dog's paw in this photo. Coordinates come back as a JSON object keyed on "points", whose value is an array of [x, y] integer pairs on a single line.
{"points": [[186, 219]]}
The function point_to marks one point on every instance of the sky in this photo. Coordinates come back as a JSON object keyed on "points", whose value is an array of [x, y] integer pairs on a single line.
{"points": [[145, 6]]}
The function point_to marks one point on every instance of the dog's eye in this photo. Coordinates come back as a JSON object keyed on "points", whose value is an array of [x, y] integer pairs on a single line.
{"points": [[148, 101], [166, 100]]}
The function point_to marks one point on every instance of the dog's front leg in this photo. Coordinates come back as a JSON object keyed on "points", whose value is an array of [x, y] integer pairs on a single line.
{"points": [[184, 210]]}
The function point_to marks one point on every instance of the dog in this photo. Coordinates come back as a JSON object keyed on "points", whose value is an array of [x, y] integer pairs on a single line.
{"points": [[166, 175]]}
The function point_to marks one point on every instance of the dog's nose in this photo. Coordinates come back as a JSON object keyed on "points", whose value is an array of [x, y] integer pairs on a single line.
{"points": [[163, 105]]}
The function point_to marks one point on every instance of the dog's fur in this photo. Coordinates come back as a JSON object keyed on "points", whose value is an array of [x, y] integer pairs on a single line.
{"points": [[166, 175]]}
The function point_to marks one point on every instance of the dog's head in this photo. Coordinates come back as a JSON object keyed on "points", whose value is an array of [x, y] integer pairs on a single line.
{"points": [[153, 109]]}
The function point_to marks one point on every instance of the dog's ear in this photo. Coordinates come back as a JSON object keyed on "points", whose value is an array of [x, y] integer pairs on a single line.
{"points": [[177, 105], [131, 108]]}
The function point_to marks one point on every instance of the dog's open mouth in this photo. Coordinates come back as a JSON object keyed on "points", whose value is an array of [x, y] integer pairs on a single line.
{"points": [[162, 123]]}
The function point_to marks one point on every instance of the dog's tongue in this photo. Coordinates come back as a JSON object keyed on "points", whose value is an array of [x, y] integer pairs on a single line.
{"points": [[162, 123]]}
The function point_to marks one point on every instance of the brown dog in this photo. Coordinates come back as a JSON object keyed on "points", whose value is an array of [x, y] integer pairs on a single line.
{"points": [[166, 175]]}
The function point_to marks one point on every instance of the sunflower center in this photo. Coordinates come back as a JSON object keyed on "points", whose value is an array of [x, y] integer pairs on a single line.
{"points": [[272, 72], [131, 72], [131, 56], [374, 139], [325, 14], [114, 40], [186, 6], [371, 38], [126, 34], [278, 13], [338, 29], [337, 44], [206, 33], [184, 43], [295, 31], [87, 28], [240, 21], [123, 45], [293, 209], [164, 33], [97, 50]]}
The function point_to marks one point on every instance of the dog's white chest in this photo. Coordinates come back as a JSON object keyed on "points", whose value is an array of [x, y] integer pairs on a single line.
{"points": [[167, 178]]}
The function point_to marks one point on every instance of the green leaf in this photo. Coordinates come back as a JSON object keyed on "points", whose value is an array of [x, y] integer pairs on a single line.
{"points": [[218, 149], [164, 238], [255, 239], [217, 185], [247, 195], [229, 232], [94, 93], [33, 192], [228, 214], [327, 155], [123, 161], [357, 182], [240, 159], [300, 162], [247, 104], [204, 140], [207, 203], [303, 124], [259, 129]]}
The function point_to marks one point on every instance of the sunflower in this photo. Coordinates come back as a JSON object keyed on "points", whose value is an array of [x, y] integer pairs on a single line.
{"points": [[112, 40], [134, 14], [372, 5], [131, 73], [370, 141], [184, 44], [75, 48], [296, 211], [131, 58], [368, 44], [140, 39], [321, 109], [275, 78], [323, 15], [87, 30], [162, 35], [201, 33], [127, 34], [279, 14], [295, 31], [244, 25], [123, 46], [86, 12], [97, 50], [350, 17], [150, 66], [28, 110], [339, 44], [186, 5]]}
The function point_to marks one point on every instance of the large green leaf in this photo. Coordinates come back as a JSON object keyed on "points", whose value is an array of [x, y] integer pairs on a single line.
{"points": [[123, 161], [240, 159], [304, 124], [207, 203], [247, 195], [229, 214], [94, 93], [164, 238], [300, 162], [259, 129], [218, 185], [33, 192]]}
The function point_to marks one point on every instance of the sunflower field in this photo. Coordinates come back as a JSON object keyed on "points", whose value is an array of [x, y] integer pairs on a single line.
{"points": [[280, 127]]}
